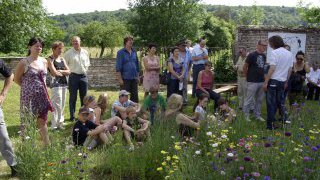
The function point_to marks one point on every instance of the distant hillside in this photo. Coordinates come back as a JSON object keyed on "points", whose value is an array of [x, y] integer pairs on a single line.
{"points": [[284, 16]]}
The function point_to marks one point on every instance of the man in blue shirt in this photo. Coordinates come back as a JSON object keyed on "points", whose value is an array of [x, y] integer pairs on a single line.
{"points": [[127, 68], [199, 57]]}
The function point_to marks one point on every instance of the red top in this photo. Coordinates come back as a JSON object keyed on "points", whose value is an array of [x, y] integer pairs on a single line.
{"points": [[206, 80]]}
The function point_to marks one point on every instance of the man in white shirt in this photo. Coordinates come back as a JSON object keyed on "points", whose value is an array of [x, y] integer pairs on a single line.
{"points": [[78, 61], [281, 62], [313, 78]]}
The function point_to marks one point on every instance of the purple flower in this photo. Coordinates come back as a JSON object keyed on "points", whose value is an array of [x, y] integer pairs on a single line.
{"points": [[63, 161], [306, 158], [267, 145], [255, 174], [247, 158], [238, 178], [267, 178], [314, 148], [281, 149], [318, 146], [307, 170], [287, 134], [246, 151], [241, 168], [246, 175], [214, 167]]}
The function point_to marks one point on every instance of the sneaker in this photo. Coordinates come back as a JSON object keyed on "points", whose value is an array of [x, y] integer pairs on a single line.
{"points": [[261, 119], [131, 147], [14, 172]]}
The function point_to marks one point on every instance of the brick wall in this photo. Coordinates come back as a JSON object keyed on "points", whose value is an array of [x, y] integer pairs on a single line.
{"points": [[247, 36], [101, 72]]}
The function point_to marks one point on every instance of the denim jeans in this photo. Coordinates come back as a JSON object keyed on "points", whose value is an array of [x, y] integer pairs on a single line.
{"points": [[274, 100], [131, 85], [5, 143], [76, 82], [195, 72]]}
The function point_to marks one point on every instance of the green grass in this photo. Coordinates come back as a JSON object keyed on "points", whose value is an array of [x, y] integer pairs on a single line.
{"points": [[285, 159]]}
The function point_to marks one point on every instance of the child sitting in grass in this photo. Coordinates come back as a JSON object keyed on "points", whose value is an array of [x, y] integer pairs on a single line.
{"points": [[226, 113], [134, 127], [95, 113], [85, 132]]}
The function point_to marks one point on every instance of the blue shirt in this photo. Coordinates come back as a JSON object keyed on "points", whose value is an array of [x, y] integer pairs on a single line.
{"points": [[199, 52], [127, 64], [186, 62]]}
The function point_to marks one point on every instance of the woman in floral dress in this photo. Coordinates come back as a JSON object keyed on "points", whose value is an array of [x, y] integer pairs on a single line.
{"points": [[34, 100], [151, 70]]}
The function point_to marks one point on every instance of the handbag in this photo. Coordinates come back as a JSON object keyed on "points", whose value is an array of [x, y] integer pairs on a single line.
{"points": [[164, 77]]}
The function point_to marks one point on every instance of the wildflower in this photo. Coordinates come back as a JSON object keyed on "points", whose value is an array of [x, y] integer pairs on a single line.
{"points": [[167, 177], [172, 137], [177, 147], [81, 170], [247, 158], [255, 174], [164, 152], [267, 178], [68, 172], [84, 156], [301, 129], [215, 145], [267, 145], [246, 175], [307, 170], [50, 164], [168, 158], [230, 155], [164, 163], [159, 169], [314, 148], [198, 152], [208, 153], [287, 134], [282, 153], [231, 145], [306, 158], [225, 130], [238, 178], [222, 173], [27, 137], [254, 136], [209, 133], [281, 149], [214, 167], [63, 161], [224, 136], [80, 154], [175, 157], [312, 138], [241, 168]]}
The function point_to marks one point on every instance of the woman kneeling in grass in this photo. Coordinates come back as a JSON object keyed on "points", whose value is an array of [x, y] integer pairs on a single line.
{"points": [[226, 113], [135, 127]]}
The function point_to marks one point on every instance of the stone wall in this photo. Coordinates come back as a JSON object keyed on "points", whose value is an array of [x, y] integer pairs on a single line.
{"points": [[247, 36], [101, 72]]}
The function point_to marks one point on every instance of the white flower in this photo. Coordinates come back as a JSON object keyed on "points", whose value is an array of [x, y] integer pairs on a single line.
{"points": [[198, 152], [215, 145], [172, 137], [69, 172], [224, 136], [69, 146], [19, 132], [209, 133], [76, 130], [80, 154], [222, 173], [230, 155], [27, 137]]}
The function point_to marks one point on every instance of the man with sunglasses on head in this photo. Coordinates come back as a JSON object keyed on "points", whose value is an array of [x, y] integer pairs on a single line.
{"points": [[254, 71]]}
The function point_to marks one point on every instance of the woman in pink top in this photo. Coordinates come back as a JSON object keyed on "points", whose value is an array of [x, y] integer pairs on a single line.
{"points": [[151, 70], [205, 84]]}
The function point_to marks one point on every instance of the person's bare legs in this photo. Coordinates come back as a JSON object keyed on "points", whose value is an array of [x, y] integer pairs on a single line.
{"points": [[43, 130], [110, 138], [127, 136], [185, 120], [104, 138]]}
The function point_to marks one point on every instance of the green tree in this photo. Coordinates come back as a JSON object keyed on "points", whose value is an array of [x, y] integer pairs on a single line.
{"points": [[251, 16], [310, 14], [103, 34], [165, 21], [218, 32], [21, 20]]}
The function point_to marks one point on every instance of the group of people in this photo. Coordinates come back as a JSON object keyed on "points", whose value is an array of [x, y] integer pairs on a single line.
{"points": [[279, 77], [276, 78]]}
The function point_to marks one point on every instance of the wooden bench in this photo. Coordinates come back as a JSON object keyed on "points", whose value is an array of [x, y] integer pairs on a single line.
{"points": [[228, 90]]}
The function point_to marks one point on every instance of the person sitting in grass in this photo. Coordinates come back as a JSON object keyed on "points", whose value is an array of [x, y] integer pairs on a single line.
{"points": [[184, 121], [154, 104], [135, 127], [122, 103], [85, 132], [90, 103], [102, 105], [226, 113]]}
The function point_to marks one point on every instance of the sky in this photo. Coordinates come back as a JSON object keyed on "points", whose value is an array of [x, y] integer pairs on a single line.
{"points": [[56, 7]]}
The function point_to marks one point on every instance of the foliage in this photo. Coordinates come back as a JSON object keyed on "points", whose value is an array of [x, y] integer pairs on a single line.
{"points": [[223, 66], [103, 35], [252, 16], [310, 14], [165, 22], [218, 32], [20, 21]]}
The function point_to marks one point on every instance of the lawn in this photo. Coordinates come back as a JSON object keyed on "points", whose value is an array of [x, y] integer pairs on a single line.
{"points": [[219, 150]]}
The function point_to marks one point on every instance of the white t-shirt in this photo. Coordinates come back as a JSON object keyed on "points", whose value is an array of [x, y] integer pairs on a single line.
{"points": [[201, 111], [314, 76], [283, 60]]}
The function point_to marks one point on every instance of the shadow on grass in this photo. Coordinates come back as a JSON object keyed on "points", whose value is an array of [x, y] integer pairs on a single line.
{"points": [[13, 131]]}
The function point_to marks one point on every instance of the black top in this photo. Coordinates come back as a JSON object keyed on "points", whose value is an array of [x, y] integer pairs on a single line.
{"points": [[296, 80], [256, 64], [80, 131], [58, 81], [4, 70]]}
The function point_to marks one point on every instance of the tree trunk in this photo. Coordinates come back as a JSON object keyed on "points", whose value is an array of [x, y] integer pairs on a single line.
{"points": [[102, 51]]}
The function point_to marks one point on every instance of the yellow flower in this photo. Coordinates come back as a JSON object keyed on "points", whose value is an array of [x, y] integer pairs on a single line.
{"points": [[164, 152], [159, 169], [50, 164], [175, 157], [225, 130], [198, 129], [208, 153], [177, 143], [168, 158], [177, 147], [282, 153], [232, 145], [167, 177], [278, 134], [312, 138], [171, 171], [173, 164], [254, 136], [164, 163], [301, 129]]}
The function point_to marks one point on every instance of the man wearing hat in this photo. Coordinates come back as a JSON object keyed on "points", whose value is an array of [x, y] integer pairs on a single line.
{"points": [[185, 57], [122, 103]]}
